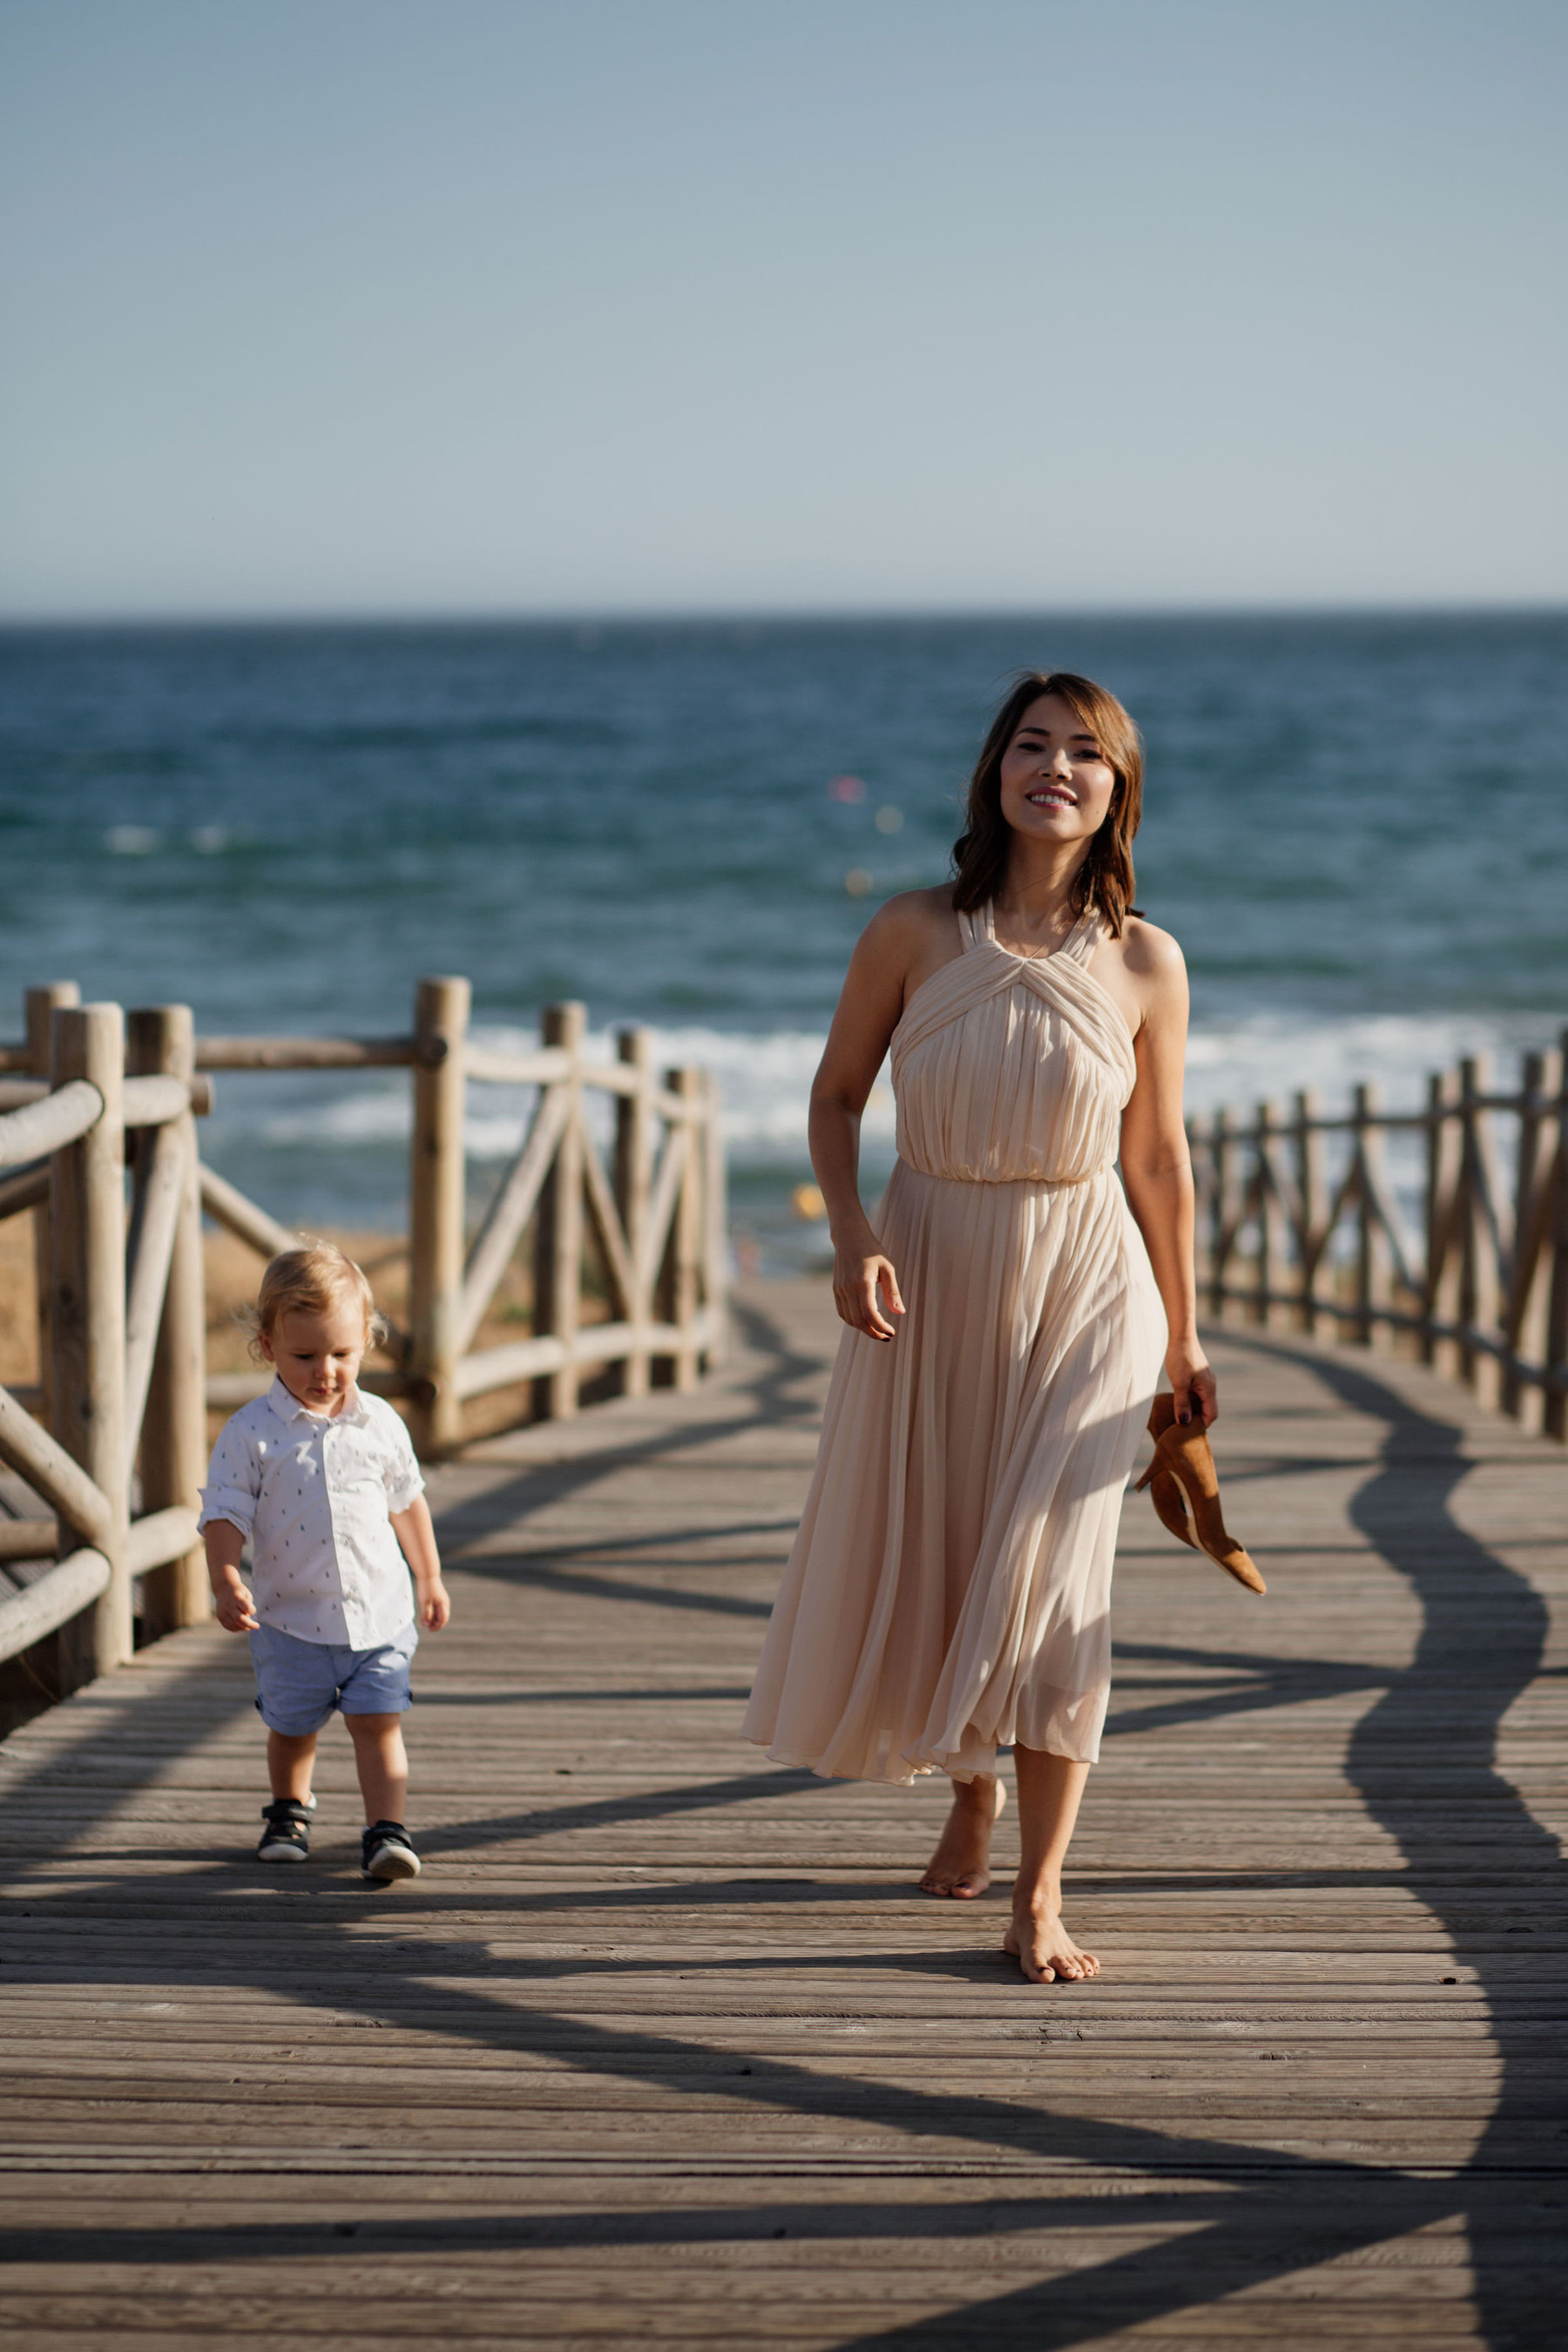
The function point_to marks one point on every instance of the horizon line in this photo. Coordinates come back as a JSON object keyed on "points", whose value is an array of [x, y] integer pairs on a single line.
{"points": [[776, 616]]}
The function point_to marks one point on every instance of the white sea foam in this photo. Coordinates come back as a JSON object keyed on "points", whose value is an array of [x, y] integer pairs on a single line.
{"points": [[764, 1081], [1272, 1055]]}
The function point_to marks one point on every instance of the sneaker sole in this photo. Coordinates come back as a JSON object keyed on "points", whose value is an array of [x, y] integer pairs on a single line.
{"points": [[393, 1866], [280, 1853]]}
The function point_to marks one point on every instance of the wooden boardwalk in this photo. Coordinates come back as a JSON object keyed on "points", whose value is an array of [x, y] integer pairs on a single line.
{"points": [[665, 2048]]}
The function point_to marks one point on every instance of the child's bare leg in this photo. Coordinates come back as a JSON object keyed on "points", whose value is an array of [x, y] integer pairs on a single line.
{"points": [[1050, 1790], [960, 1864], [291, 1757], [382, 1762]]}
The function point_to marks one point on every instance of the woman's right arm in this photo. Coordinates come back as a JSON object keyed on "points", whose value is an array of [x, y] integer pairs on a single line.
{"points": [[865, 1286]]}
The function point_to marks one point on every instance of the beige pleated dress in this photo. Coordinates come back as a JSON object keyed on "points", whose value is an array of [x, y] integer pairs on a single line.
{"points": [[949, 1591]]}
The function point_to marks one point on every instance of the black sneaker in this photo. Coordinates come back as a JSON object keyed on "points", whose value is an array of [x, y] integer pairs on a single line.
{"points": [[286, 1837], [388, 1853]]}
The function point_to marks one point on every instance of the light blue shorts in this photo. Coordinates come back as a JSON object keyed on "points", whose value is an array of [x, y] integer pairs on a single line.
{"points": [[298, 1684]]}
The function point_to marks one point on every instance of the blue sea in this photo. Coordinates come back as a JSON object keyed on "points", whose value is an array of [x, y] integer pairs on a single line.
{"points": [[1357, 827]]}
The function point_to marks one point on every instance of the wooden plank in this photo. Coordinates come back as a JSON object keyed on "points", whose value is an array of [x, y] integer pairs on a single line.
{"points": [[653, 2002]]}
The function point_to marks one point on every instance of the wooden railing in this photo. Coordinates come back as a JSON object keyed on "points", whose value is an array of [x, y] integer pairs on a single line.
{"points": [[1301, 1227], [657, 1216], [123, 1385], [122, 1331]]}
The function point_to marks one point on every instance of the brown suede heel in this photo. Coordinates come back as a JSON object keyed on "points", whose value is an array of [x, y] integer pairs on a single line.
{"points": [[1183, 1472]]}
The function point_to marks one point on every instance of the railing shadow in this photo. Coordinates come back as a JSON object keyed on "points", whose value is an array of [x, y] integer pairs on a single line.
{"points": [[1261, 2212], [1475, 1853]]}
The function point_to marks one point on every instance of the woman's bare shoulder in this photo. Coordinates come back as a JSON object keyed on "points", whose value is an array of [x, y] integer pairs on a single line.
{"points": [[1153, 971], [913, 912], [1148, 953], [907, 924], [1143, 970]]}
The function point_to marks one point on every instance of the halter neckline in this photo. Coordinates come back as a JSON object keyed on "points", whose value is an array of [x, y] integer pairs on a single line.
{"points": [[982, 926]]}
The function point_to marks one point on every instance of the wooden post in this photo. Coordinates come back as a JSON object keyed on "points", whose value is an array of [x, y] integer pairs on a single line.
{"points": [[633, 1183], [1271, 1244], [41, 1005], [1523, 1329], [558, 1234], [716, 1226], [1312, 1184], [1554, 1413], [87, 1302], [1479, 1270], [435, 1210], [1445, 1153], [175, 1427], [686, 1236], [1197, 1156], [1374, 1270], [1223, 1148]]}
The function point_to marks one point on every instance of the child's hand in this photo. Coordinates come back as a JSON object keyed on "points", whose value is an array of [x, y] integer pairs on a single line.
{"points": [[434, 1605], [234, 1609]]}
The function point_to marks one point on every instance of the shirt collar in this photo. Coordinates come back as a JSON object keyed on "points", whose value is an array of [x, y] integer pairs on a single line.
{"points": [[288, 1409]]}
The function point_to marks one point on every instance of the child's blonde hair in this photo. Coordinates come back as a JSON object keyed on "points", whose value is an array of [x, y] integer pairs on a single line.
{"points": [[310, 1281]]}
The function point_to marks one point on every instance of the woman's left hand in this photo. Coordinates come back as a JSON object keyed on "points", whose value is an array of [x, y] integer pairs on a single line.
{"points": [[1192, 1384]]}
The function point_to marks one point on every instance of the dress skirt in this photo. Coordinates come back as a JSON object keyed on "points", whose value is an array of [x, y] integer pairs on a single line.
{"points": [[949, 1591]]}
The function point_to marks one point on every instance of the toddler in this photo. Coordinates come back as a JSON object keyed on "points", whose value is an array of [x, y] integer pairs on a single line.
{"points": [[322, 1482]]}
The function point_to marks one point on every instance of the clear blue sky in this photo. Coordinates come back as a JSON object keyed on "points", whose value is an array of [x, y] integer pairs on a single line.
{"points": [[424, 306]]}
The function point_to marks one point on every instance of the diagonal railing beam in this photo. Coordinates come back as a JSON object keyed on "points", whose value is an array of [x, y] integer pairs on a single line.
{"points": [[226, 1205], [608, 1225], [661, 1204], [45, 1466], [509, 1212]]}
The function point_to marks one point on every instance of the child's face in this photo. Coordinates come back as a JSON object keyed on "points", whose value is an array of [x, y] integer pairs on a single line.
{"points": [[318, 1357]]}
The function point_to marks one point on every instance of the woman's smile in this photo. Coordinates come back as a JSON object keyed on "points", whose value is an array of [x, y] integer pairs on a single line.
{"points": [[1055, 766]]}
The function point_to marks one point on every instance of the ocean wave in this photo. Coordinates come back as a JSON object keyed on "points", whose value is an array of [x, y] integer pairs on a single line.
{"points": [[1270, 1055], [765, 1084], [764, 1080]]}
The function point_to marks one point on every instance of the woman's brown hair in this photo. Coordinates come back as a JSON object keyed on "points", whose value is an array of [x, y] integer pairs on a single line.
{"points": [[1104, 880]]}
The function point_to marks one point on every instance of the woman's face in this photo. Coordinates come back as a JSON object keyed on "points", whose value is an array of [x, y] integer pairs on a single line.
{"points": [[1056, 782]]}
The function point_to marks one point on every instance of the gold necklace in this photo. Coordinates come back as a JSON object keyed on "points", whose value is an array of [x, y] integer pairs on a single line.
{"points": [[1035, 955]]}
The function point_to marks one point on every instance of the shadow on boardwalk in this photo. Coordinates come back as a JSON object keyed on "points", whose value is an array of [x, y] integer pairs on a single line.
{"points": [[764, 1895]]}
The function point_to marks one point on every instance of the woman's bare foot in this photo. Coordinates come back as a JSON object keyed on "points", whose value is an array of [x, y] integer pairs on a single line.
{"points": [[1044, 1950], [960, 1864]]}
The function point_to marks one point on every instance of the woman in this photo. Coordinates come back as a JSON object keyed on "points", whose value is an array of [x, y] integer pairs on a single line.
{"points": [[949, 1590]]}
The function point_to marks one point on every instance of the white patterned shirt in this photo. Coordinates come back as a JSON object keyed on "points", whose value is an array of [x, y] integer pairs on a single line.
{"points": [[314, 1494]]}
